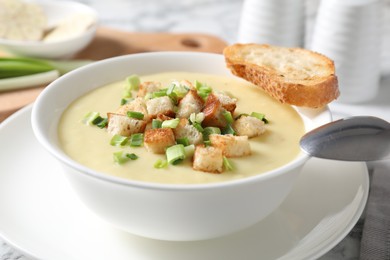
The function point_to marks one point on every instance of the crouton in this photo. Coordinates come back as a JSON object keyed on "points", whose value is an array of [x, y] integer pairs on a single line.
{"points": [[157, 140], [227, 102], [190, 103], [161, 105], [231, 146], [185, 129], [213, 112], [249, 126], [123, 125], [136, 105], [208, 159], [148, 87]]}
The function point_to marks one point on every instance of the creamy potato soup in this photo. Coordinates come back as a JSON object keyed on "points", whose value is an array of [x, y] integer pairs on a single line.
{"points": [[90, 145]]}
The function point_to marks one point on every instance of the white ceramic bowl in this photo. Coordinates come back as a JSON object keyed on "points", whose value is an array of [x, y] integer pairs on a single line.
{"points": [[162, 211], [55, 11]]}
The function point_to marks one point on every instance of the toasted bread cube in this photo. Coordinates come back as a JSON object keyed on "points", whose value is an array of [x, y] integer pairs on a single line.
{"points": [[227, 102], [123, 125], [231, 146], [249, 126], [157, 140], [136, 105], [190, 103], [160, 105], [185, 129], [208, 159], [213, 112], [148, 87]]}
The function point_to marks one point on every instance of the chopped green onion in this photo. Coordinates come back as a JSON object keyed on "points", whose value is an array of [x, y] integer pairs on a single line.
{"points": [[184, 141], [103, 123], [207, 143], [90, 117], [196, 118], [179, 90], [135, 114], [132, 82], [173, 123], [124, 101], [228, 117], [198, 127], [189, 150], [259, 116], [118, 140], [175, 154], [203, 89], [159, 164], [227, 164], [132, 156], [156, 123], [98, 121], [210, 130], [159, 93], [228, 130], [127, 94], [136, 140], [120, 157], [240, 115]]}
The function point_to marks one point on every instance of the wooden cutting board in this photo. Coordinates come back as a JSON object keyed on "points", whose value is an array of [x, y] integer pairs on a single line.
{"points": [[110, 42]]}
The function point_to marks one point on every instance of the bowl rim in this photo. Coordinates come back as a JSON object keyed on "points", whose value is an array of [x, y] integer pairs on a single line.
{"points": [[33, 44], [81, 169]]}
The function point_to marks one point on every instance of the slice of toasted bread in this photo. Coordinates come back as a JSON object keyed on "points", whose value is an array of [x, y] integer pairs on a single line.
{"points": [[291, 75]]}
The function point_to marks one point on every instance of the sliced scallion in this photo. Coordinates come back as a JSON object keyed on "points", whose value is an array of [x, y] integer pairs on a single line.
{"points": [[135, 114], [132, 156], [118, 140], [90, 117], [228, 130], [203, 89], [136, 140], [210, 130], [189, 150], [100, 122], [120, 157], [172, 123], [160, 163], [175, 154], [228, 117], [227, 164], [156, 123], [259, 116], [132, 82], [184, 141]]}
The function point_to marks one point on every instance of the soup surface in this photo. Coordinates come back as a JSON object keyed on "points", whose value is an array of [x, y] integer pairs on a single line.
{"points": [[90, 145]]}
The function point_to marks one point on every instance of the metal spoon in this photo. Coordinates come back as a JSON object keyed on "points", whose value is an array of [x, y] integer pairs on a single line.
{"points": [[360, 138]]}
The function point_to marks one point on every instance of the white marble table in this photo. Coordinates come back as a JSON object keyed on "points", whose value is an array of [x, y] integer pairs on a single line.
{"points": [[221, 18]]}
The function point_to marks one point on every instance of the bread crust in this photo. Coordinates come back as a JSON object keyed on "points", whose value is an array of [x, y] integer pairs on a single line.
{"points": [[314, 91]]}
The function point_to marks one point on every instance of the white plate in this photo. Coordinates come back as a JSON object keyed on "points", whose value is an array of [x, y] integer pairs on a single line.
{"points": [[41, 216]]}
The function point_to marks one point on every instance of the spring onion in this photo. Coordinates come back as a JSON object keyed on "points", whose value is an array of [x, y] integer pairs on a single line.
{"points": [[228, 130], [203, 89], [132, 82], [159, 164], [210, 130], [228, 117], [160, 93], [259, 116], [227, 164], [184, 141], [100, 122], [136, 140], [189, 150], [198, 127], [132, 156], [172, 123], [118, 140], [196, 117], [122, 157], [135, 114], [90, 117], [175, 154], [156, 123]]}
